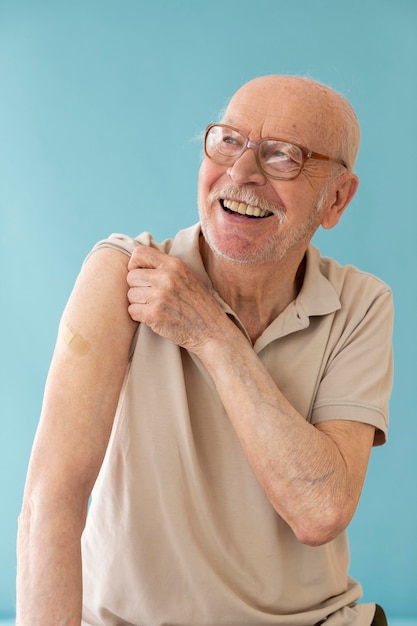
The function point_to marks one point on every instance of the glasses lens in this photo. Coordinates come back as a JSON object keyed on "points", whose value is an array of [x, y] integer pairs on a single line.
{"points": [[224, 145], [279, 159]]}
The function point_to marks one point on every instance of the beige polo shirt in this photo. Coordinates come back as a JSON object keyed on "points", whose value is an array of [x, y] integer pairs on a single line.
{"points": [[179, 530]]}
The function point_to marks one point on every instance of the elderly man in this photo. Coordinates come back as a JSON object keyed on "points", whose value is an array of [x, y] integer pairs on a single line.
{"points": [[222, 390]]}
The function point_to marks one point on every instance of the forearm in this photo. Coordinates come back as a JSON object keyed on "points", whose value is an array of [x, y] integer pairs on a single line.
{"points": [[49, 588], [300, 468]]}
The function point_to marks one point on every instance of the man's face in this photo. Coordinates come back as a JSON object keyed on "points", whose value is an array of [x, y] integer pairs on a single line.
{"points": [[284, 213]]}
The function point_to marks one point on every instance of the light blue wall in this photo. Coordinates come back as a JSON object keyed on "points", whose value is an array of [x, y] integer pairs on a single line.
{"points": [[93, 92]]}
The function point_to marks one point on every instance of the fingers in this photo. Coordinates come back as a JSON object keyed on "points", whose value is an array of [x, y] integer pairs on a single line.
{"points": [[140, 278], [150, 268], [143, 270], [168, 297], [141, 273], [146, 257], [151, 279]]}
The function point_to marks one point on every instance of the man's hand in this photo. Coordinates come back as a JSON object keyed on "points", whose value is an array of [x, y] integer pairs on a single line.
{"points": [[168, 297]]}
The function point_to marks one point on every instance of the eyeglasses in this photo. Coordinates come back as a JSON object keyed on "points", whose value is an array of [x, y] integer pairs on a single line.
{"points": [[275, 158]]}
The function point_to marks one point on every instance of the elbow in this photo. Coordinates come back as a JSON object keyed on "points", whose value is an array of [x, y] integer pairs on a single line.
{"points": [[316, 530], [317, 537], [53, 509]]}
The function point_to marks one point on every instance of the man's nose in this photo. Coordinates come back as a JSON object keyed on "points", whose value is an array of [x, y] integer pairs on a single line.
{"points": [[245, 170]]}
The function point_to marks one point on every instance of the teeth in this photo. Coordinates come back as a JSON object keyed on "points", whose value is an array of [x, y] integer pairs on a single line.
{"points": [[244, 209]]}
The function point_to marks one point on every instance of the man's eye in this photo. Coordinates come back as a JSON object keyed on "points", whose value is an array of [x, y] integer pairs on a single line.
{"points": [[233, 141], [278, 154], [273, 156], [282, 155]]}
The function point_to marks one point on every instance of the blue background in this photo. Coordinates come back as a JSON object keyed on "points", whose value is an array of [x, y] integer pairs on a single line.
{"points": [[101, 105]]}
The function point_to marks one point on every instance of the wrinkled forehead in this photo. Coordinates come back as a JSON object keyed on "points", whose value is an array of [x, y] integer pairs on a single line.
{"points": [[299, 112]]}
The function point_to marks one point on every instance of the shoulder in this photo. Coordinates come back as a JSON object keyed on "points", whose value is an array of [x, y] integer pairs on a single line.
{"points": [[344, 290], [355, 288], [126, 244], [348, 279], [183, 244]]}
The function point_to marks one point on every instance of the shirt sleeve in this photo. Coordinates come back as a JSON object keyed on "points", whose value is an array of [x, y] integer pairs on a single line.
{"points": [[123, 243], [357, 380]]}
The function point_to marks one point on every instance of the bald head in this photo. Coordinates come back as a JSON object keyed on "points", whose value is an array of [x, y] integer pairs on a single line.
{"points": [[307, 112]]}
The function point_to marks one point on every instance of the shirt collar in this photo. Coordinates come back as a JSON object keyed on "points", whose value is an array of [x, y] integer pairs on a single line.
{"points": [[317, 295]]}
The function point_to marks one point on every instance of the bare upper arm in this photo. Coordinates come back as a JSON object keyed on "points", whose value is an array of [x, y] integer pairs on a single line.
{"points": [[85, 378]]}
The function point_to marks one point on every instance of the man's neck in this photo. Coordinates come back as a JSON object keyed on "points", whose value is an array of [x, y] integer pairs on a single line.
{"points": [[256, 292]]}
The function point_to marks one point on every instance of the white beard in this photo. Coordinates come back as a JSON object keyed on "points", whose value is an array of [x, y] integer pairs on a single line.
{"points": [[278, 245]]}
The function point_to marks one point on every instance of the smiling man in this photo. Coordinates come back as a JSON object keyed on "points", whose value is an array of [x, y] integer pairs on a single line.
{"points": [[222, 391]]}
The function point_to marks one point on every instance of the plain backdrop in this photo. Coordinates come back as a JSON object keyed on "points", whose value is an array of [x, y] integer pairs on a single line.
{"points": [[102, 103]]}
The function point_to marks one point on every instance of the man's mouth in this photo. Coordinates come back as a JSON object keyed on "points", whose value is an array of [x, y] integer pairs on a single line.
{"points": [[232, 206]]}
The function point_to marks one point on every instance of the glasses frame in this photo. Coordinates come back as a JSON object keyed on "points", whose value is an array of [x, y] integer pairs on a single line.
{"points": [[306, 152]]}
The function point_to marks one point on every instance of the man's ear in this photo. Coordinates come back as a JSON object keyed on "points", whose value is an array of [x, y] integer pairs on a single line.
{"points": [[343, 193]]}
